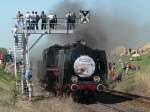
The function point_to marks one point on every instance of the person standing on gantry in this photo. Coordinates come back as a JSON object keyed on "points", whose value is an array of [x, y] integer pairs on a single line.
{"points": [[37, 19], [20, 19], [51, 21], [55, 21], [68, 17], [73, 20], [44, 21], [27, 20], [32, 20]]}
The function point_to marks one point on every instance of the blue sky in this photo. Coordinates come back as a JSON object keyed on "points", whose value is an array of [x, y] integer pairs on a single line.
{"points": [[8, 10], [137, 11]]}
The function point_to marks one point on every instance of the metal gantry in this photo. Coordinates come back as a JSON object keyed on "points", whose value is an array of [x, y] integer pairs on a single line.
{"points": [[22, 49]]}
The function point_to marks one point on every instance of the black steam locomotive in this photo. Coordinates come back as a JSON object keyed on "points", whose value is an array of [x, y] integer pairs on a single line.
{"points": [[73, 69]]}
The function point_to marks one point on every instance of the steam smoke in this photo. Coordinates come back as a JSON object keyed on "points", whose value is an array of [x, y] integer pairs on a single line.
{"points": [[105, 30]]}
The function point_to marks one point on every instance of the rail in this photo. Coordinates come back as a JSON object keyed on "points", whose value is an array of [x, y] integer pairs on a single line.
{"points": [[130, 95]]}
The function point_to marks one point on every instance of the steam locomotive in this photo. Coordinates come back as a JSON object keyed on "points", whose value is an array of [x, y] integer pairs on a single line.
{"points": [[74, 69]]}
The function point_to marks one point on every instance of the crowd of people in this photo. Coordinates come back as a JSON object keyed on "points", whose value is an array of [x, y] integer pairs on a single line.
{"points": [[31, 20], [125, 65]]}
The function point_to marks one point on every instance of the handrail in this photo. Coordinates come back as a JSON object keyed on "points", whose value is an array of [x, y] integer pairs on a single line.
{"points": [[56, 18]]}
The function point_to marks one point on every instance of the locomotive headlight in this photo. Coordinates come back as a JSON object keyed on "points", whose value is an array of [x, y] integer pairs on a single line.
{"points": [[74, 79], [96, 78]]}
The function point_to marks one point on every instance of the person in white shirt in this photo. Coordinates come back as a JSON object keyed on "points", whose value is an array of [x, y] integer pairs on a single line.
{"points": [[27, 20], [32, 20], [51, 21]]}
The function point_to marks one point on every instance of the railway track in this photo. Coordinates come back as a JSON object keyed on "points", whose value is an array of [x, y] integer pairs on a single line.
{"points": [[132, 96], [136, 103], [105, 107]]}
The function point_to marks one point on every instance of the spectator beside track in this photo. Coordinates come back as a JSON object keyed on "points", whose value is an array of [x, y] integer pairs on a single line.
{"points": [[32, 20], [127, 67], [44, 21], [113, 72], [37, 19], [1, 58], [9, 52], [109, 66], [27, 20], [119, 77], [130, 51], [121, 61]]}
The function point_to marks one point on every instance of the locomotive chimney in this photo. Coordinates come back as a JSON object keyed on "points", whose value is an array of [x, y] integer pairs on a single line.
{"points": [[83, 42]]}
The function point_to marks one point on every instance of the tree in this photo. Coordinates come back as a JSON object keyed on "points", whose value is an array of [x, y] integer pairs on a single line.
{"points": [[3, 51]]}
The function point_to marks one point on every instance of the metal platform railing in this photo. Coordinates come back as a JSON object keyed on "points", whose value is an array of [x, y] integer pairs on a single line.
{"points": [[49, 28], [61, 26]]}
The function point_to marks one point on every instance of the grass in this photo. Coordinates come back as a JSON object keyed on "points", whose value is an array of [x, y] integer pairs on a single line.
{"points": [[7, 91], [136, 81]]}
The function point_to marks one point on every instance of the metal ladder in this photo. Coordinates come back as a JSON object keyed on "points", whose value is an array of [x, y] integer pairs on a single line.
{"points": [[18, 58]]}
